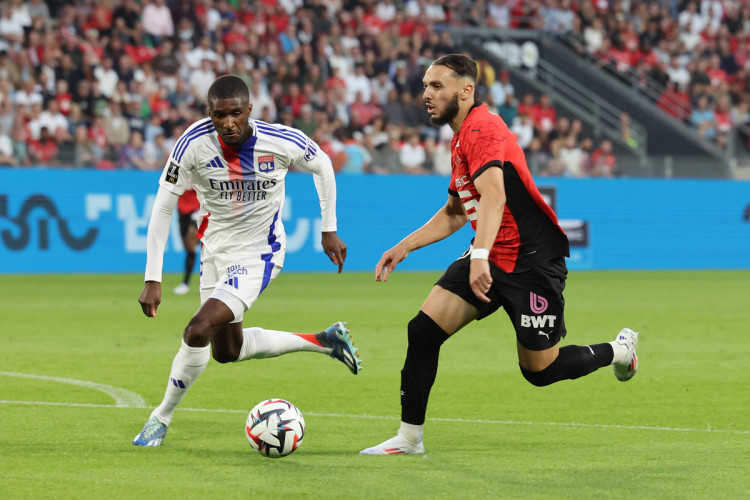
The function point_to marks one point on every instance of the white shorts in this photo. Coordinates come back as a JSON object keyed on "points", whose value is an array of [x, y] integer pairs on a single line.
{"points": [[238, 280]]}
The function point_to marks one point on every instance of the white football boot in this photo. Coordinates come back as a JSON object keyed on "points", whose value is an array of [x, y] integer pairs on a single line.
{"points": [[398, 445]]}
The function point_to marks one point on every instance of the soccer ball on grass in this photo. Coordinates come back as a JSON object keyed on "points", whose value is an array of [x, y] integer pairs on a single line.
{"points": [[275, 428]]}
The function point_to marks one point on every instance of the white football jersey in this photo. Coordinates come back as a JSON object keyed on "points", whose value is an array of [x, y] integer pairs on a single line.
{"points": [[241, 189]]}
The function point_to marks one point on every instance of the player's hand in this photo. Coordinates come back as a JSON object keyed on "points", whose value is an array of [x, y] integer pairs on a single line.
{"points": [[388, 262], [150, 298], [480, 278], [334, 248]]}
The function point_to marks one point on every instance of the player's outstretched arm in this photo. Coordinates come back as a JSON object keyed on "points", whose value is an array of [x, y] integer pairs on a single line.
{"points": [[445, 222], [335, 248]]}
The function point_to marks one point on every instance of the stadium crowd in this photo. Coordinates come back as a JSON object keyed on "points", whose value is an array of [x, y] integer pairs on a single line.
{"points": [[695, 54], [113, 83]]}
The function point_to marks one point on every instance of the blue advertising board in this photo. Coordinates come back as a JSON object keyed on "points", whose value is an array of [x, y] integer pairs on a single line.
{"points": [[80, 221]]}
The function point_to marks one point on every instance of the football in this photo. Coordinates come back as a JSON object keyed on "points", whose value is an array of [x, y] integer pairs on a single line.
{"points": [[275, 428]]}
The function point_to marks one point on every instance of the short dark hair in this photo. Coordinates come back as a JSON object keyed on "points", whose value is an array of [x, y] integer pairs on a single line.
{"points": [[228, 87], [462, 65]]}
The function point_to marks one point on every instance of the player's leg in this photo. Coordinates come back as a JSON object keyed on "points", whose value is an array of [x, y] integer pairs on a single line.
{"points": [[441, 315], [192, 358], [240, 291], [536, 307]]}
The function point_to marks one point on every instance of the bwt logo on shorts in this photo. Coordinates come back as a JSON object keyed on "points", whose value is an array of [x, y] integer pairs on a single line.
{"points": [[538, 321], [538, 303]]}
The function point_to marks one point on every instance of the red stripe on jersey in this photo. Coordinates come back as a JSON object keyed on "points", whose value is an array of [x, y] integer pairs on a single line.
{"points": [[310, 337], [233, 160], [203, 226]]}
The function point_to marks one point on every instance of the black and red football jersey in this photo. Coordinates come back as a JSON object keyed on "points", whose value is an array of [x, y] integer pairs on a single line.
{"points": [[529, 233]]}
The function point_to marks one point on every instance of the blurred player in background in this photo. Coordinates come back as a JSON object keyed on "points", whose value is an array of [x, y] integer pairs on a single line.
{"points": [[187, 208], [237, 167], [516, 261]]}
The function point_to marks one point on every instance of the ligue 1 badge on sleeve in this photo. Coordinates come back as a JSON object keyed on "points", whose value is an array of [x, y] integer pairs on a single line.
{"points": [[172, 172]]}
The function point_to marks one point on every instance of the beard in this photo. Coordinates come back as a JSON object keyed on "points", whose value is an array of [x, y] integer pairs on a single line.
{"points": [[451, 110]]}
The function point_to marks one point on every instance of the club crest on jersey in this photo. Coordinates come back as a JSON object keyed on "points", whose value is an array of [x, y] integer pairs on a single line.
{"points": [[266, 163], [462, 181], [173, 172]]}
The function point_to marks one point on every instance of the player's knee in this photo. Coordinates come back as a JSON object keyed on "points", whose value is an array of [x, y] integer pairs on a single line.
{"points": [[223, 356], [198, 332], [423, 332], [541, 378]]}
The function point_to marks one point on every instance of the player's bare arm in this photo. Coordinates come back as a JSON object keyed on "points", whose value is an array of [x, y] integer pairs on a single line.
{"points": [[150, 298], [490, 185], [334, 248], [445, 222]]}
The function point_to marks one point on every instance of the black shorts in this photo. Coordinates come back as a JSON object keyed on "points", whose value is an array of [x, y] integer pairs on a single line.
{"points": [[187, 221], [532, 299]]}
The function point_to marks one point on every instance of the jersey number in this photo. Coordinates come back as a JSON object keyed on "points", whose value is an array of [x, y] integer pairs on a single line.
{"points": [[471, 205]]}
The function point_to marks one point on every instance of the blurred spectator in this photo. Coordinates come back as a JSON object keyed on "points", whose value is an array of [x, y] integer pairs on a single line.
{"points": [[107, 77], [53, 119], [387, 159], [28, 95], [157, 20], [42, 150], [572, 156], [20, 147], [703, 118], [7, 158], [603, 160], [306, 120], [116, 128], [86, 153], [536, 157], [523, 127], [65, 148], [508, 110], [544, 116], [133, 154], [358, 159], [501, 88], [412, 155], [554, 167], [201, 79]]}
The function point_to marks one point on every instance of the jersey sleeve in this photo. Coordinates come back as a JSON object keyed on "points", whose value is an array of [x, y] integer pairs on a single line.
{"points": [[307, 155], [176, 174], [484, 145]]}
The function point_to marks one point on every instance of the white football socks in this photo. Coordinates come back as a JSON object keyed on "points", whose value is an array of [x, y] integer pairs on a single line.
{"points": [[413, 433], [620, 350], [188, 364], [260, 343]]}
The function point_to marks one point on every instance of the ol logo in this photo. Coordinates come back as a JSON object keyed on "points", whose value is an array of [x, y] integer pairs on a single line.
{"points": [[266, 163]]}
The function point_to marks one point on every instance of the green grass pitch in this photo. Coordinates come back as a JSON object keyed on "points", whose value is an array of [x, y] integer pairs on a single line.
{"points": [[81, 367]]}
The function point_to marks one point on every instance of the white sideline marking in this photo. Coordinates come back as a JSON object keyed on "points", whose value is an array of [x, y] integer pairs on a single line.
{"points": [[437, 419], [122, 397]]}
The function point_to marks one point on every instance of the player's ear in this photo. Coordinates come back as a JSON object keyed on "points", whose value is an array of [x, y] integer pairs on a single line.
{"points": [[467, 91]]}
